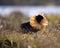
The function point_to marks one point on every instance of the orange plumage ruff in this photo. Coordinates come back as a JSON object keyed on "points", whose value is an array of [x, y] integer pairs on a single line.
{"points": [[35, 24]]}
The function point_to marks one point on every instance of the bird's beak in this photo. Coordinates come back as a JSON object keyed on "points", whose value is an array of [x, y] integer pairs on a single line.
{"points": [[45, 24]]}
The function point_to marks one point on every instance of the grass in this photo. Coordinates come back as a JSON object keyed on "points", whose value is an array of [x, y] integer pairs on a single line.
{"points": [[50, 38]]}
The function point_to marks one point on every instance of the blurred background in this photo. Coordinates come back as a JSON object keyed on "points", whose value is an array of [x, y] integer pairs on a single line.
{"points": [[30, 2], [15, 12], [30, 7]]}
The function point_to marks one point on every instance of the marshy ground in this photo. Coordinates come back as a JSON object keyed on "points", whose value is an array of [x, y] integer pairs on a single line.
{"points": [[11, 36]]}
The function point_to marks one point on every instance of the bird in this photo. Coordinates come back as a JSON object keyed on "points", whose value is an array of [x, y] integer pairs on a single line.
{"points": [[35, 24]]}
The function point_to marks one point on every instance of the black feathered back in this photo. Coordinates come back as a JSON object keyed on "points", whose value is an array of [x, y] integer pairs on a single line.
{"points": [[26, 28]]}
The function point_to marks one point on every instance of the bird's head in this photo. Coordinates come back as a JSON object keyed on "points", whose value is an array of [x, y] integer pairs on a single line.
{"points": [[38, 22]]}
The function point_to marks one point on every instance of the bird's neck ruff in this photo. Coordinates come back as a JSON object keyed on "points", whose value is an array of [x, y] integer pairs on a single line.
{"points": [[35, 23]]}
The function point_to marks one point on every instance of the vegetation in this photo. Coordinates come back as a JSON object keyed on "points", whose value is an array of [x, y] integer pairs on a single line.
{"points": [[12, 37]]}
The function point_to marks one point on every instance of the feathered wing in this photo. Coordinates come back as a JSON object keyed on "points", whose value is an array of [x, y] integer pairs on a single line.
{"points": [[27, 28]]}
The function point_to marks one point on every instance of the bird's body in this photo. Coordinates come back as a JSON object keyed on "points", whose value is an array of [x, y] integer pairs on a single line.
{"points": [[35, 24], [27, 28]]}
